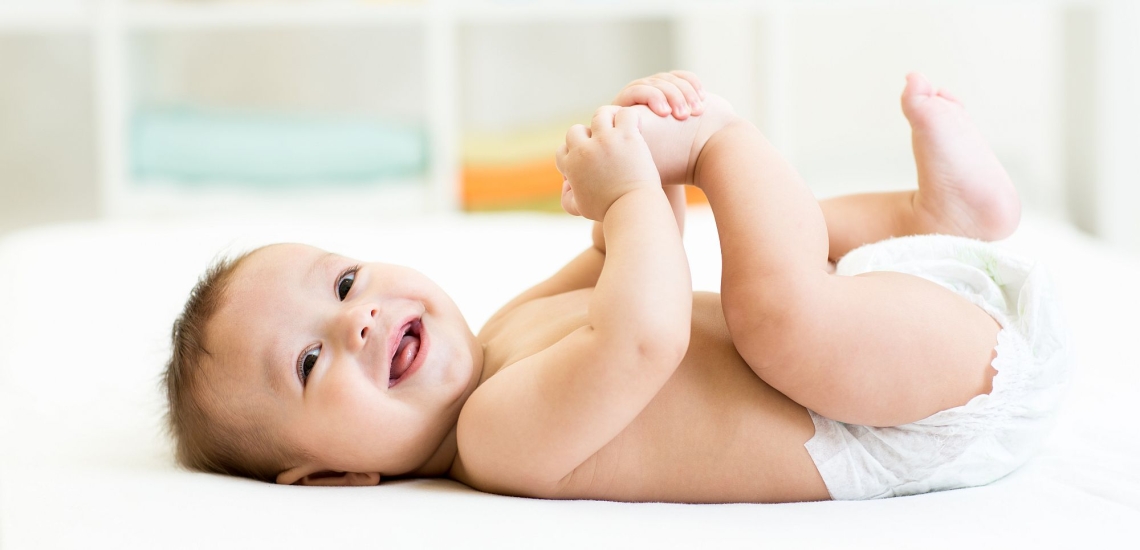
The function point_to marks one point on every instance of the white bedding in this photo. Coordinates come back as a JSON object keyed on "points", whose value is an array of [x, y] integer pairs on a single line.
{"points": [[85, 314]]}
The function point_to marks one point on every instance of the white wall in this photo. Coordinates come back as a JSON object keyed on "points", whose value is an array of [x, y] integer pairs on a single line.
{"points": [[1116, 189], [847, 72], [830, 96]]}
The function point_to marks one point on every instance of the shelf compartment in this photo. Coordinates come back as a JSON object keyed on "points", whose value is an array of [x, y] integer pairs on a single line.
{"points": [[512, 169], [277, 119], [200, 147], [516, 104]]}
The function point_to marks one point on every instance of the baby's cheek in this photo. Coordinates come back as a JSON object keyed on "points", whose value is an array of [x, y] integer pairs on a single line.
{"points": [[341, 409], [452, 361], [341, 429]]}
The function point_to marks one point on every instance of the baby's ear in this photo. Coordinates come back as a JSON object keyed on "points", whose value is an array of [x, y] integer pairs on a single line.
{"points": [[303, 476]]}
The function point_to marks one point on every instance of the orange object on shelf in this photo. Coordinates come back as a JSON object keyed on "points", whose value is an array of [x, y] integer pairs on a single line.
{"points": [[515, 170], [524, 185], [535, 185]]}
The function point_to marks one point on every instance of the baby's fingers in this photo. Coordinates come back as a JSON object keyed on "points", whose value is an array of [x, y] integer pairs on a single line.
{"points": [[691, 100], [627, 119], [693, 80], [568, 203], [678, 104], [644, 94], [603, 118], [560, 160], [577, 135]]}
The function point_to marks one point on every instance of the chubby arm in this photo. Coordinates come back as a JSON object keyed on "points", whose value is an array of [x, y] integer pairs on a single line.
{"points": [[535, 421], [583, 271], [676, 196]]}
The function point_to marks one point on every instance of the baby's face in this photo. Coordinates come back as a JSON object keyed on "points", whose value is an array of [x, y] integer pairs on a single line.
{"points": [[362, 366]]}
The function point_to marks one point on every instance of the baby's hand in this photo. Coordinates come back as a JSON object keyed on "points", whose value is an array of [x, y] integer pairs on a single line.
{"points": [[676, 92], [601, 163]]}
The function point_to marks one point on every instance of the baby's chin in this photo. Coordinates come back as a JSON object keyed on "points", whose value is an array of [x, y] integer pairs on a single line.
{"points": [[451, 370], [467, 369]]}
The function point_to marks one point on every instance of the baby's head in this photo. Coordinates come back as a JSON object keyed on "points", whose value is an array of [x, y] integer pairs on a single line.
{"points": [[294, 365]]}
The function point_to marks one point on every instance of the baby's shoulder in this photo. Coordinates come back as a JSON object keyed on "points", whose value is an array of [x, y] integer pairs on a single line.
{"points": [[487, 440]]}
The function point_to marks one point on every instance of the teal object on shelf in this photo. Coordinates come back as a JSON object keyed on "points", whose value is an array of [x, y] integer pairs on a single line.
{"points": [[200, 146]]}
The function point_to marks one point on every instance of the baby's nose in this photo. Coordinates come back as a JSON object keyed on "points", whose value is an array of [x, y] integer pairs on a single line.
{"points": [[369, 322], [361, 323]]}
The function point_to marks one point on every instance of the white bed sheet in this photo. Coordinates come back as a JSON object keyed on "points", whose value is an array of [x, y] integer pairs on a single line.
{"points": [[85, 314]]}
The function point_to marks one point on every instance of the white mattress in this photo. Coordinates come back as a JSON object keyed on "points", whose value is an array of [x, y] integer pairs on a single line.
{"points": [[85, 314]]}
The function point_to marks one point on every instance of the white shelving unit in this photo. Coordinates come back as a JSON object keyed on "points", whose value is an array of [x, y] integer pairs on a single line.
{"points": [[113, 24], [757, 30]]}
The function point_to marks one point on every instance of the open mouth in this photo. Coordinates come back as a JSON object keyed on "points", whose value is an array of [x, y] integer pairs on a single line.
{"points": [[407, 355]]}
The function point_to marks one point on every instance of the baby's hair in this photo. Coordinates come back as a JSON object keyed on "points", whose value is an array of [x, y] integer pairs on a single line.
{"points": [[207, 436]]}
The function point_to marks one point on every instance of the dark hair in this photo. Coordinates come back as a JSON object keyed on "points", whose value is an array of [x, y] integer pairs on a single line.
{"points": [[209, 435]]}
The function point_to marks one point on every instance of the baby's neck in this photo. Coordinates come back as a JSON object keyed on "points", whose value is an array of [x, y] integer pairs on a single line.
{"points": [[445, 457], [441, 460]]}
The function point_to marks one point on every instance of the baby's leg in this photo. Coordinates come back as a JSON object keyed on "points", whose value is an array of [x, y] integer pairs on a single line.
{"points": [[878, 349], [962, 188]]}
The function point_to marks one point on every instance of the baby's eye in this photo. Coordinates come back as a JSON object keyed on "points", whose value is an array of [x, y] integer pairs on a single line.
{"points": [[344, 283], [307, 362]]}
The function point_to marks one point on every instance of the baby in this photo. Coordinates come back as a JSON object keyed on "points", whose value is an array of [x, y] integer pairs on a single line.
{"points": [[916, 364]]}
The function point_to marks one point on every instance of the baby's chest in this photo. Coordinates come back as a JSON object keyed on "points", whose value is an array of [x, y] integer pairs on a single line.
{"points": [[533, 327]]}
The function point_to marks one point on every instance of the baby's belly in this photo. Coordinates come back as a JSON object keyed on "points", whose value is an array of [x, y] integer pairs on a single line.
{"points": [[714, 433]]}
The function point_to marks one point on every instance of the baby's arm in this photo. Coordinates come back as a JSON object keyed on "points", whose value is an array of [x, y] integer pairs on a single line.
{"points": [[535, 421], [677, 93], [584, 269], [676, 196]]}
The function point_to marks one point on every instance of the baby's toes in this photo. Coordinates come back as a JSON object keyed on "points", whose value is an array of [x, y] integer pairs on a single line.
{"points": [[917, 91], [945, 94]]}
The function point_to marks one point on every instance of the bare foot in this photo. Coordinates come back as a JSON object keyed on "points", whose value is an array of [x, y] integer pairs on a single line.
{"points": [[962, 188], [676, 144]]}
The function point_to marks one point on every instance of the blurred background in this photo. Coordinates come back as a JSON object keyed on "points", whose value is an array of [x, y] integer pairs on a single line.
{"points": [[164, 109]]}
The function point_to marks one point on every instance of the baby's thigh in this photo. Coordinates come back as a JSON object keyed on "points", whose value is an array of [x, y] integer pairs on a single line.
{"points": [[880, 349]]}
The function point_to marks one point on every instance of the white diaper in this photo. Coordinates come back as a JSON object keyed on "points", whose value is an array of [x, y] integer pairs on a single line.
{"points": [[991, 435]]}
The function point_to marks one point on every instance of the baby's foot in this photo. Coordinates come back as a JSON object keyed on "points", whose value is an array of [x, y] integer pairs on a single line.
{"points": [[962, 188], [676, 144]]}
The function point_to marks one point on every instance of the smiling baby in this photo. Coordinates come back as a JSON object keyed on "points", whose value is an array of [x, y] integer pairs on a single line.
{"points": [[863, 346]]}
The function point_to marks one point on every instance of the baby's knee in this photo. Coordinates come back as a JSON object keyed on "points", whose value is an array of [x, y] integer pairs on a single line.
{"points": [[776, 315]]}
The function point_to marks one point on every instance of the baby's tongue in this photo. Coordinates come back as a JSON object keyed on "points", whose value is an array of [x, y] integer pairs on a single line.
{"points": [[405, 353]]}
